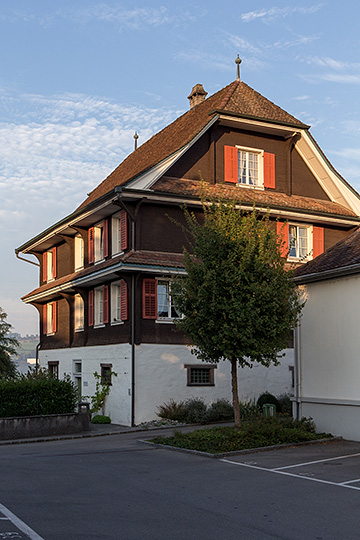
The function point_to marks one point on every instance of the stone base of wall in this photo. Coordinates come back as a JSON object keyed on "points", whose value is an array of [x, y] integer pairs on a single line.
{"points": [[27, 427]]}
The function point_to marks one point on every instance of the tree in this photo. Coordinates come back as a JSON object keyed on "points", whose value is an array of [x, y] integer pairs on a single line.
{"points": [[238, 300], [8, 347]]}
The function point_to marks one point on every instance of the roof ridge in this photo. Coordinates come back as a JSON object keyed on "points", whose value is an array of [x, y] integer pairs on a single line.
{"points": [[229, 93]]}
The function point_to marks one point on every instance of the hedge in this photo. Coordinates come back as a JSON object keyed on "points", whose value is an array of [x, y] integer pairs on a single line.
{"points": [[31, 397]]}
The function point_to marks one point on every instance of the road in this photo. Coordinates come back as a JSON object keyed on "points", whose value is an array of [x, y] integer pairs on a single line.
{"points": [[117, 488]]}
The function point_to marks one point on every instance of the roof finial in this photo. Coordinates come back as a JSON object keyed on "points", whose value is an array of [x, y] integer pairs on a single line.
{"points": [[238, 62], [136, 136]]}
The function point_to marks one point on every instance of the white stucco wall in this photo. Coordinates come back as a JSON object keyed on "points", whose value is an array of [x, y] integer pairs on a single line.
{"points": [[161, 376], [330, 356], [118, 403]]}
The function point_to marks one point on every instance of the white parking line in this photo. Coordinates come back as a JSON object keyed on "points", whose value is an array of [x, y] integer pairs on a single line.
{"points": [[317, 461], [19, 524], [276, 471]]}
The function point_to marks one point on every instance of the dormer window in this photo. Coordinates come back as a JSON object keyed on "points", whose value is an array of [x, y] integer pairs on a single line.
{"points": [[119, 233], [249, 167], [79, 252]]}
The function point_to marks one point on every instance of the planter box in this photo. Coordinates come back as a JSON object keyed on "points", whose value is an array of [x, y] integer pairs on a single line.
{"points": [[26, 427]]}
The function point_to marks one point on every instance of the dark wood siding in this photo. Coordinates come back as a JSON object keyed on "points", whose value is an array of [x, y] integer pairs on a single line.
{"points": [[304, 182]]}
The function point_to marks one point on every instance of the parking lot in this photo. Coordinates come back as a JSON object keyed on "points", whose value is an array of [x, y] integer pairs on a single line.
{"points": [[114, 488]]}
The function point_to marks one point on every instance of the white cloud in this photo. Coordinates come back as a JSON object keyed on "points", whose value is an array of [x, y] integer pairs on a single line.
{"points": [[329, 69], [274, 13]]}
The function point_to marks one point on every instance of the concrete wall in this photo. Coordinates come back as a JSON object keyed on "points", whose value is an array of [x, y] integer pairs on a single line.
{"points": [[329, 356], [46, 425]]}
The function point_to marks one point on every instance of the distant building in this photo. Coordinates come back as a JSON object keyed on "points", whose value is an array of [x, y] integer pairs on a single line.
{"points": [[104, 297]]}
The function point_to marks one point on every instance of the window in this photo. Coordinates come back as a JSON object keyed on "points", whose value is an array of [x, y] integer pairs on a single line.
{"points": [[50, 318], [98, 305], [77, 376], [49, 265], [106, 374], [78, 313], [79, 252], [157, 300], [200, 375], [119, 302], [300, 242], [249, 167], [98, 242], [119, 234], [53, 368]]}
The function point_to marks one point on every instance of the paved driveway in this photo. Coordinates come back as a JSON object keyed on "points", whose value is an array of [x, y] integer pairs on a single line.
{"points": [[116, 488]]}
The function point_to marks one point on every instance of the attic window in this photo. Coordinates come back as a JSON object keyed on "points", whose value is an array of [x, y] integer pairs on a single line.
{"points": [[249, 167]]}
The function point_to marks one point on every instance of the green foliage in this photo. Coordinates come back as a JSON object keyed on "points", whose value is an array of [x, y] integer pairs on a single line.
{"points": [[257, 433], [285, 404], [219, 411], [195, 411], [249, 410], [237, 298], [100, 419], [266, 397], [102, 390], [8, 348], [34, 394], [172, 410]]}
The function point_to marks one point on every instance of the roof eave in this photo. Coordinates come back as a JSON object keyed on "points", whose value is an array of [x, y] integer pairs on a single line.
{"points": [[295, 125]]}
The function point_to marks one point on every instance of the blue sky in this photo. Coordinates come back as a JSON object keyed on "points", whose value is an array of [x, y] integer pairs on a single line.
{"points": [[78, 77]]}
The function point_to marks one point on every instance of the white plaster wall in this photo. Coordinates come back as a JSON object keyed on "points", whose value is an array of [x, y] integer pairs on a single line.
{"points": [[160, 376], [339, 420], [118, 402], [330, 340]]}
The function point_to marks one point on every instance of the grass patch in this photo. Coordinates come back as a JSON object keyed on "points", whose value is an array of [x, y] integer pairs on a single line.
{"points": [[252, 434]]}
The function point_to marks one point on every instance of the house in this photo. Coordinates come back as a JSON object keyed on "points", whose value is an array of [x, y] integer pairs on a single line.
{"points": [[104, 297], [327, 360]]}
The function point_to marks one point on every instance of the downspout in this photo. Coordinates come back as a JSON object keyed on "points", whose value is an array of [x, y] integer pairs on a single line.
{"points": [[298, 372], [37, 356], [26, 260], [132, 350]]}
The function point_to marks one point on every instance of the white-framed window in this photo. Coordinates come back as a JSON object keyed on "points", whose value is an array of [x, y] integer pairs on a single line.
{"points": [[250, 170], [116, 303], [116, 234], [50, 318], [99, 242], [99, 306], [300, 244], [78, 313], [165, 304], [49, 265], [79, 252]]}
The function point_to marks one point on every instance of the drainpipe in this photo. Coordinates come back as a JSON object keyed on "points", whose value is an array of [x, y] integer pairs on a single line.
{"points": [[132, 350], [298, 372], [37, 356], [26, 260]]}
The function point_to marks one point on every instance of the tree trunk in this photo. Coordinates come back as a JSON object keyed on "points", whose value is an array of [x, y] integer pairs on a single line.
{"points": [[235, 393]]}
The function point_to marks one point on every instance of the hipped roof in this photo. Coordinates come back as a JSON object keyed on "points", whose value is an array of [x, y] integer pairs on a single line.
{"points": [[237, 98]]}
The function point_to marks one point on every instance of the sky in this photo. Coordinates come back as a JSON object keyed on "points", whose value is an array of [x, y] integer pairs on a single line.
{"points": [[79, 77]]}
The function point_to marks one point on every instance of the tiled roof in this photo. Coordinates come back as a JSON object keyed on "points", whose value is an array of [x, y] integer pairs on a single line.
{"points": [[138, 258], [237, 98], [341, 255], [266, 198]]}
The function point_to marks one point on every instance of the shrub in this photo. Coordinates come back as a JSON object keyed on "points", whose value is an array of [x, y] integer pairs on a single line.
{"points": [[31, 395], [195, 411], [249, 410], [100, 419], [220, 410], [285, 404], [172, 410], [266, 397]]}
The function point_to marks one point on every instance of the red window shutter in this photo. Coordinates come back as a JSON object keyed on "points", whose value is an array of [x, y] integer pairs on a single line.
{"points": [[149, 299], [123, 230], [231, 164], [91, 307], [54, 265], [91, 244], [44, 321], [106, 304], [282, 230], [54, 316], [318, 241], [123, 300], [44, 267], [105, 238], [269, 170]]}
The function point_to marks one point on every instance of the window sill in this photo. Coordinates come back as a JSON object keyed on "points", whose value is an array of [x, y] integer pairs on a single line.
{"points": [[199, 384], [99, 325], [117, 254], [99, 261], [257, 188], [79, 268], [166, 321], [79, 329], [297, 260], [116, 323]]}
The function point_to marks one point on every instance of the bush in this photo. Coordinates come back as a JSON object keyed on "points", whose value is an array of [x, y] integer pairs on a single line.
{"points": [[285, 404], [266, 397], [173, 411], [195, 411], [31, 395], [248, 410], [220, 410], [100, 419]]}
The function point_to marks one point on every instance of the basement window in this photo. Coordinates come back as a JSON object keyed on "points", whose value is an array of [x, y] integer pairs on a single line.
{"points": [[200, 375]]}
